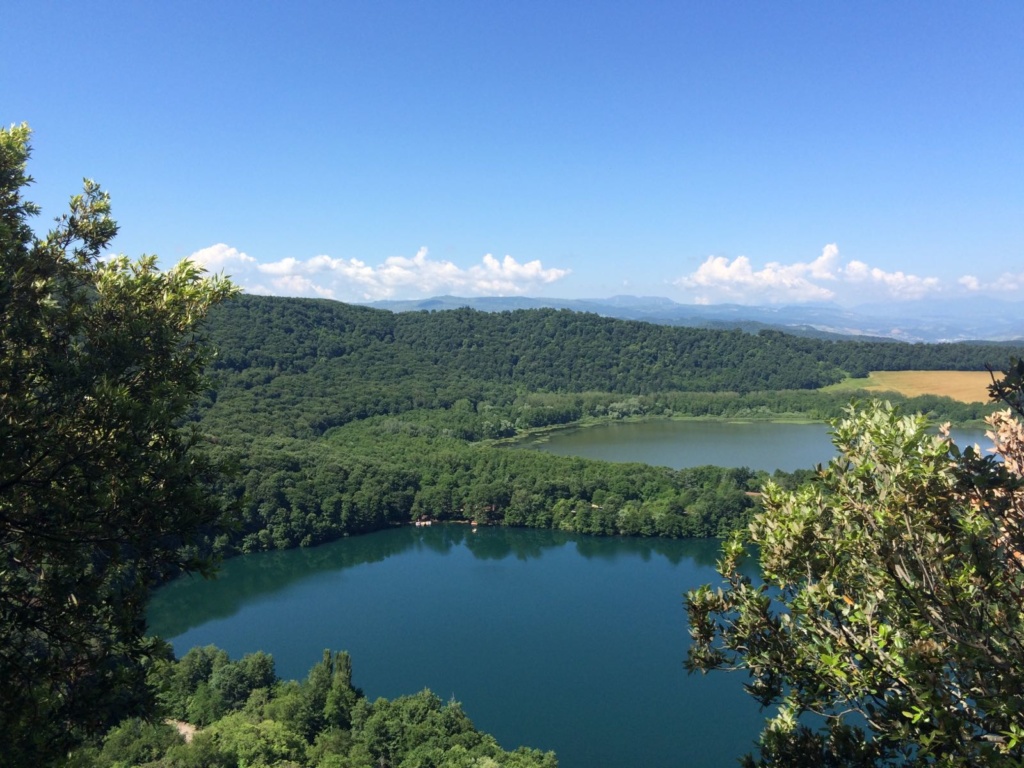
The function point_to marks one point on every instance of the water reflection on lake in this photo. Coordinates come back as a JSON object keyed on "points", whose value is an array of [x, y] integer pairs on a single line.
{"points": [[554, 640]]}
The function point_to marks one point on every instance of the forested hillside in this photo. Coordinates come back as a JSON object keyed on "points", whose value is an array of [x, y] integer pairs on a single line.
{"points": [[550, 350], [344, 419]]}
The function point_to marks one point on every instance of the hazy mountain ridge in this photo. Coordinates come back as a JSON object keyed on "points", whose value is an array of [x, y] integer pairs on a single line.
{"points": [[981, 319]]}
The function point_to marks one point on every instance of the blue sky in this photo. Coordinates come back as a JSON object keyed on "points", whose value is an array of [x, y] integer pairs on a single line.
{"points": [[753, 152]]}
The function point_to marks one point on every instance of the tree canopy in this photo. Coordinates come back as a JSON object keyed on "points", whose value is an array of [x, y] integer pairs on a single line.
{"points": [[889, 628], [101, 491]]}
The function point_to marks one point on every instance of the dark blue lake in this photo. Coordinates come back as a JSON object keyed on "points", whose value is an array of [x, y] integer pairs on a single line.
{"points": [[552, 640]]}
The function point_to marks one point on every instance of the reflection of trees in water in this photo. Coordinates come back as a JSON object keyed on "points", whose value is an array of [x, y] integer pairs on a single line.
{"points": [[190, 601], [439, 538], [497, 543]]}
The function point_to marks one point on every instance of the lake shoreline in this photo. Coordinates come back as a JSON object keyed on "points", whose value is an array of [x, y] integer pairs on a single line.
{"points": [[598, 421], [537, 434], [758, 445]]}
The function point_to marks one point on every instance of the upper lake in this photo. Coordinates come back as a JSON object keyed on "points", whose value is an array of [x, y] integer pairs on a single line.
{"points": [[679, 443]]}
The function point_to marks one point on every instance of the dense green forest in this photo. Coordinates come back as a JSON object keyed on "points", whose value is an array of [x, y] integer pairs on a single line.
{"points": [[342, 419], [247, 716]]}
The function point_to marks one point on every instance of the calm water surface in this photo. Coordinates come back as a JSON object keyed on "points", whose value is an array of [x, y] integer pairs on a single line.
{"points": [[552, 640], [689, 443]]}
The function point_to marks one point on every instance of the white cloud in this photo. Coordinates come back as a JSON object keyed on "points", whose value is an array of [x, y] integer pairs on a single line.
{"points": [[823, 267], [737, 280], [297, 285], [282, 267], [419, 272], [395, 277], [970, 282], [824, 278], [509, 276], [1005, 283], [898, 284], [221, 257], [718, 279]]}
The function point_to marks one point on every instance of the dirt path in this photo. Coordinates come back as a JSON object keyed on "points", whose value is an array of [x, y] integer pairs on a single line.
{"points": [[187, 730]]}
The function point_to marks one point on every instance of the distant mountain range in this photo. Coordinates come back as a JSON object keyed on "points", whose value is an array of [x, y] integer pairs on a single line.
{"points": [[981, 319]]}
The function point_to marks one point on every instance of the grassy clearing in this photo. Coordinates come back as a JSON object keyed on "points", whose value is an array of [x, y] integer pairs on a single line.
{"points": [[965, 386]]}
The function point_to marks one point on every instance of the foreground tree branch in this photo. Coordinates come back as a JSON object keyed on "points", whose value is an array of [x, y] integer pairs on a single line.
{"points": [[891, 604], [101, 492]]}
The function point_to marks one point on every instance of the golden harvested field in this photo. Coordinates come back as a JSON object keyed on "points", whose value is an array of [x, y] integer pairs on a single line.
{"points": [[965, 386]]}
